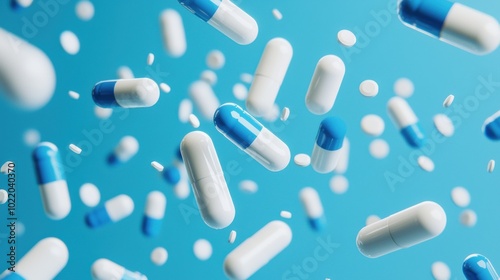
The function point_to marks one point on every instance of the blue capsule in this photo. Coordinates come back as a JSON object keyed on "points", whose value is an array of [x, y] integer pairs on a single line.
{"points": [[329, 140], [126, 93], [112, 211], [478, 267], [406, 121]]}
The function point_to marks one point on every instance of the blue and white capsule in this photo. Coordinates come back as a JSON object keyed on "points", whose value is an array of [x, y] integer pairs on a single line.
{"points": [[313, 207], [51, 180], [406, 121], [226, 17], [252, 137], [453, 23], [104, 269], [113, 210], [491, 127], [478, 267], [327, 148], [124, 151], [152, 221], [126, 93]]}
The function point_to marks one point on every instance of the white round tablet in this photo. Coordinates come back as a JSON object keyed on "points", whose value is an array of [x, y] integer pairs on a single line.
{"points": [[69, 42], [460, 196], [339, 184], [232, 237], [215, 59], [240, 91], [346, 38], [368, 88], [448, 101], [372, 125], [404, 87], [372, 219], [302, 160], [425, 163], [159, 256], [31, 137], [440, 271], [444, 125], [248, 186], [185, 110], [90, 195], [209, 76], [468, 218], [491, 166], [202, 249], [379, 149], [84, 10], [102, 113], [3, 196]]}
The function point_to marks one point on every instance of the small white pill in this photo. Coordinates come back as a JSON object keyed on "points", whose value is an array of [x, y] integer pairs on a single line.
{"points": [[440, 271], [373, 125], [372, 219], [339, 184], [75, 149], [69, 42], [246, 78], [232, 237], [124, 72], [24, 3], [165, 88], [85, 10], [460, 196], [346, 38], [277, 14], [468, 218], [90, 195], [159, 256], [202, 249], [368, 88], [73, 94], [302, 160], [215, 59], [491, 166], [285, 113], [248, 186], [31, 137], [425, 163], [102, 113], [185, 110], [194, 121], [449, 99], [3, 196], [444, 125], [5, 167], [240, 91], [379, 148], [156, 165], [404, 87], [209, 76], [151, 59], [286, 215]]}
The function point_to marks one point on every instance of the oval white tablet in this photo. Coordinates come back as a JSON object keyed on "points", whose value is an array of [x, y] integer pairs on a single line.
{"points": [[491, 166], [468, 218], [440, 271], [232, 237], [448, 101], [69, 42], [240, 91], [425, 163], [215, 59], [159, 256], [90, 195], [444, 125], [285, 113], [277, 14], [460, 196], [248, 186], [85, 10]]}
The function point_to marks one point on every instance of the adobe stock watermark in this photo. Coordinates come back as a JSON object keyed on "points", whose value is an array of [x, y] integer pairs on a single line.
{"points": [[310, 264], [458, 113]]}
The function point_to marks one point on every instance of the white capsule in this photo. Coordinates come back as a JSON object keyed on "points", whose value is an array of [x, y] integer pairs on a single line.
{"points": [[232, 237], [124, 72], [343, 163], [209, 76], [90, 194], [313, 207], [165, 88], [85, 10], [159, 256], [26, 73], [3, 196], [325, 84], [269, 76], [372, 125], [204, 98], [448, 101], [132, 93], [403, 229], [73, 94], [70, 42], [215, 59], [406, 121], [75, 149], [124, 151], [286, 214], [329, 141], [257, 250], [113, 210], [43, 261], [346, 38], [152, 220], [285, 113], [206, 177], [104, 269], [194, 121], [172, 30], [491, 166], [277, 14]]}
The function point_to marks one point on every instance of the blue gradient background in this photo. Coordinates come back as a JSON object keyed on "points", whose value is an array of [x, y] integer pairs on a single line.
{"points": [[124, 32]]}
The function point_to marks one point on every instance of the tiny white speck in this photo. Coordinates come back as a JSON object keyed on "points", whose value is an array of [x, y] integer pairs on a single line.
{"points": [[285, 113], [232, 237], [215, 59], [70, 43], [240, 91], [468, 218], [339, 184], [194, 121], [460, 196], [202, 249], [379, 148], [368, 88], [286, 215], [491, 166], [3, 196], [346, 38], [425, 163], [159, 256], [150, 59], [302, 160], [73, 94], [156, 165], [209, 76], [444, 125], [248, 186], [449, 99], [277, 14], [440, 271], [246, 78], [404, 87], [165, 88], [75, 149]]}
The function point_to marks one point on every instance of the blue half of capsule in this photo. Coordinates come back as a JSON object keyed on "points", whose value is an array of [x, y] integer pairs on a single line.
{"points": [[428, 15], [103, 94], [478, 267], [48, 164], [204, 9], [237, 125], [331, 134], [98, 217], [151, 226], [491, 127], [172, 175]]}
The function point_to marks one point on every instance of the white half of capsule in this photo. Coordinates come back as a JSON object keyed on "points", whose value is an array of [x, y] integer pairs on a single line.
{"points": [[204, 98], [156, 203], [206, 176], [119, 207], [174, 37], [325, 84], [269, 151], [182, 188], [311, 202], [26, 72], [403, 229], [104, 269], [44, 261], [257, 250], [324, 161], [269, 76], [343, 162], [132, 93], [126, 148], [401, 112], [56, 199], [234, 23]]}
